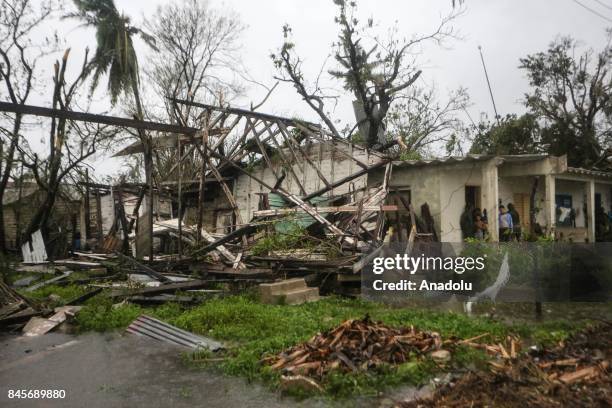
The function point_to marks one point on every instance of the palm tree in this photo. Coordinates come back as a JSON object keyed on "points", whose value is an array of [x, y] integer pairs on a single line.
{"points": [[115, 52], [115, 55]]}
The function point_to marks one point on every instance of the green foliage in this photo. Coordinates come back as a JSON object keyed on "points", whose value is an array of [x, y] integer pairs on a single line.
{"points": [[408, 155], [570, 92], [295, 238], [510, 135], [66, 294], [103, 316]]}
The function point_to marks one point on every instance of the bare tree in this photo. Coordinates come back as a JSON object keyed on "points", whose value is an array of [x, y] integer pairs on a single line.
{"points": [[198, 48], [198, 53], [70, 144], [422, 123], [18, 58], [376, 72]]}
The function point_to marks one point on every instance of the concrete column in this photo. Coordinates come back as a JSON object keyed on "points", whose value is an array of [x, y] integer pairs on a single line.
{"points": [[550, 209], [490, 196], [590, 204]]}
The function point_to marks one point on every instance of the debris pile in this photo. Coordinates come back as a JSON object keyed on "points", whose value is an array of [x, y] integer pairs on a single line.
{"points": [[355, 345], [575, 373], [585, 357]]}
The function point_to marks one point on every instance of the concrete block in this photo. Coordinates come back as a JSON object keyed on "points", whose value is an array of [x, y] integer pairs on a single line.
{"points": [[268, 290], [296, 297]]}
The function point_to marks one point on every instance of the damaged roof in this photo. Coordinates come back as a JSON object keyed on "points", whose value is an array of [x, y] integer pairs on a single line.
{"points": [[469, 158]]}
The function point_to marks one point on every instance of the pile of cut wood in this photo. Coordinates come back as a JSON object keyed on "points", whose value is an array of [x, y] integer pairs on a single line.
{"points": [[355, 345]]}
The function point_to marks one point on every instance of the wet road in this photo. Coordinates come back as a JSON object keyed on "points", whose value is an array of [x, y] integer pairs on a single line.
{"points": [[111, 370]]}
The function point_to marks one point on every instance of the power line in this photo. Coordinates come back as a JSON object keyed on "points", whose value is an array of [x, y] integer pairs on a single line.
{"points": [[603, 4], [592, 11]]}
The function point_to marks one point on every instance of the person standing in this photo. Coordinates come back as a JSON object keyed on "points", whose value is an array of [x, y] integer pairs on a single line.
{"points": [[505, 224], [516, 222]]}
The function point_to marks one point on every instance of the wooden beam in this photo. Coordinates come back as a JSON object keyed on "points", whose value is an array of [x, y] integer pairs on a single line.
{"points": [[344, 180], [248, 113], [343, 153], [247, 229], [94, 118], [343, 209], [143, 268], [288, 165], [168, 288], [290, 139]]}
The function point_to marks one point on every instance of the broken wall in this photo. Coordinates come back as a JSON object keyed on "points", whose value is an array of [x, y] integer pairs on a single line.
{"points": [[326, 156]]}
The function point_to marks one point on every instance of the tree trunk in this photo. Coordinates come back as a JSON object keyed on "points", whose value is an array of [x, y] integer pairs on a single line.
{"points": [[42, 215], [6, 175], [148, 162]]}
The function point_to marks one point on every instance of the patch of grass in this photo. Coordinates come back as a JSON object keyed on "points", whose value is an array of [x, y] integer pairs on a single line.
{"points": [[251, 330], [66, 294], [101, 315]]}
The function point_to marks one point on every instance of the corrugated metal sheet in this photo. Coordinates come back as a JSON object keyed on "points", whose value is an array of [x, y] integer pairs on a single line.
{"points": [[34, 251], [158, 330]]}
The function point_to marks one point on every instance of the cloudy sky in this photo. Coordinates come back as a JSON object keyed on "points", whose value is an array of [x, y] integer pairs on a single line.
{"points": [[506, 30]]}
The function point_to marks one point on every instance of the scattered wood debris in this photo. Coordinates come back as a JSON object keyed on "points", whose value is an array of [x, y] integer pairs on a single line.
{"points": [[576, 373], [355, 345]]}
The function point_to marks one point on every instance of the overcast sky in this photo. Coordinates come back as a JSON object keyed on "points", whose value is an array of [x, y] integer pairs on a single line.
{"points": [[506, 30]]}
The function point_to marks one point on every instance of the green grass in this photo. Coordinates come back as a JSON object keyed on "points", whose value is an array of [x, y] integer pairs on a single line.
{"points": [[65, 293], [252, 330]]}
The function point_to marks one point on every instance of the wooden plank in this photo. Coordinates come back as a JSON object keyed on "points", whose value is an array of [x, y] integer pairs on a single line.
{"points": [[247, 229], [290, 139], [315, 136], [167, 288], [288, 165], [48, 282], [244, 112], [94, 118], [261, 147], [143, 268], [345, 209], [226, 190], [344, 180], [312, 212], [223, 250]]}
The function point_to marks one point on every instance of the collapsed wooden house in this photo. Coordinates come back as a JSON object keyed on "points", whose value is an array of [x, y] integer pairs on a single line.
{"points": [[258, 174]]}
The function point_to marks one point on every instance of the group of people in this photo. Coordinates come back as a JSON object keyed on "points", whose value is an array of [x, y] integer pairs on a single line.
{"points": [[475, 224]]}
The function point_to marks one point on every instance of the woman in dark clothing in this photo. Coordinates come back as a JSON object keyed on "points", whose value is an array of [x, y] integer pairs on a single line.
{"points": [[516, 222]]}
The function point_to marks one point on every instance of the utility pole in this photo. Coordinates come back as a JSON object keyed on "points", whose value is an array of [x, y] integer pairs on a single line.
{"points": [[488, 83]]}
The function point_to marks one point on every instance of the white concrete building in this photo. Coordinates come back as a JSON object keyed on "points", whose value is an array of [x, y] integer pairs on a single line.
{"points": [[565, 198]]}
